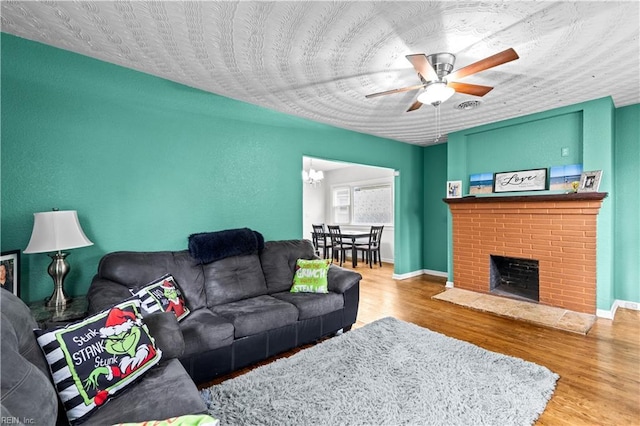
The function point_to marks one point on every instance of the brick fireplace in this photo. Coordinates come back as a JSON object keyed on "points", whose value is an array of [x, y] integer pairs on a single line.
{"points": [[557, 231]]}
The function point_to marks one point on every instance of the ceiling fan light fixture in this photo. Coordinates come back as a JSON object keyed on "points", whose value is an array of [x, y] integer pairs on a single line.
{"points": [[436, 93]]}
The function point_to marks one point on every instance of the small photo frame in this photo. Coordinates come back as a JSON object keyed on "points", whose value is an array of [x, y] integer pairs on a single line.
{"points": [[590, 181], [454, 189], [10, 271], [481, 183], [563, 178]]}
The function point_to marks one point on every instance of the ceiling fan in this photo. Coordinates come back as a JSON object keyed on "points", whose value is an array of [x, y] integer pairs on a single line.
{"points": [[435, 74]]}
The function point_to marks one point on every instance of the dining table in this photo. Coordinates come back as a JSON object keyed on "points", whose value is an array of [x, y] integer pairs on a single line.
{"points": [[353, 236]]}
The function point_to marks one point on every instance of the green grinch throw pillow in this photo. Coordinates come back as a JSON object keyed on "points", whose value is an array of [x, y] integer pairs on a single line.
{"points": [[95, 359], [311, 276], [162, 294]]}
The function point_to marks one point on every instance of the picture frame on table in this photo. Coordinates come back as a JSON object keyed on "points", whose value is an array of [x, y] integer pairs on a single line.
{"points": [[590, 181], [454, 189], [520, 180], [10, 271]]}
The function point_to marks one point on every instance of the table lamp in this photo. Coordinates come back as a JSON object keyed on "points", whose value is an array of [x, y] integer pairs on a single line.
{"points": [[56, 231]]}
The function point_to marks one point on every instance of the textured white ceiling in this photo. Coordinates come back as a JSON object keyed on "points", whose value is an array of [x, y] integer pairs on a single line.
{"points": [[319, 59]]}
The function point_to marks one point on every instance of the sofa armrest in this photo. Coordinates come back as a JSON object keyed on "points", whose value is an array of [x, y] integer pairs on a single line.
{"points": [[105, 293], [164, 328], [340, 279]]}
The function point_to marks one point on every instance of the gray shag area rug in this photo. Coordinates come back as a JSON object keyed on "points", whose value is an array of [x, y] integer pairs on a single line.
{"points": [[389, 372]]}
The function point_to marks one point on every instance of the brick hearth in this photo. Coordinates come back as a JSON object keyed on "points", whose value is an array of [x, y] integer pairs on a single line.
{"points": [[557, 230]]}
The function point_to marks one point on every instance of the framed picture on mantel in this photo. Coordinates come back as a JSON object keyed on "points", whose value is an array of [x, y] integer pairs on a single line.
{"points": [[454, 189], [590, 181], [522, 180]]}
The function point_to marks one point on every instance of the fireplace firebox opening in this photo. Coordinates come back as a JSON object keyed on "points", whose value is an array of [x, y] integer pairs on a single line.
{"points": [[513, 277]]}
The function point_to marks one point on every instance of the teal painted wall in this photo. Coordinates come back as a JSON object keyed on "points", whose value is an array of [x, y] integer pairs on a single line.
{"points": [[588, 130], [435, 210], [627, 204], [598, 155], [146, 162], [537, 142]]}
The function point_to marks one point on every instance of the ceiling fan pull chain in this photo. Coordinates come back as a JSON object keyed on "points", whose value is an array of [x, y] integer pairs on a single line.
{"points": [[437, 117]]}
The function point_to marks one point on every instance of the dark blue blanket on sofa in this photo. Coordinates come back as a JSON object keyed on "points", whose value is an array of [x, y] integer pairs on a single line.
{"points": [[208, 247]]}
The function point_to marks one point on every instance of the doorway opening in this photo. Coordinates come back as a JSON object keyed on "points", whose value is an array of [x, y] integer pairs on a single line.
{"points": [[354, 196]]}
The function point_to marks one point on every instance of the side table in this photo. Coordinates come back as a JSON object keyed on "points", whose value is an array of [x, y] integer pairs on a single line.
{"points": [[74, 310]]}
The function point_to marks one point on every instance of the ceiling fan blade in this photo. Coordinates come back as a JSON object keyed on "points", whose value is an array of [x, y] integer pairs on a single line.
{"points": [[415, 106], [469, 89], [484, 64], [390, 92], [422, 65]]}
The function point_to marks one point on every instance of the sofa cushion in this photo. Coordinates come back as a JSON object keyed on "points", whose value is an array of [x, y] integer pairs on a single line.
{"points": [[233, 278], [203, 331], [16, 316], [311, 305], [257, 314], [165, 391], [25, 377], [279, 262], [137, 269], [164, 328], [311, 276], [190, 275], [97, 358], [162, 295]]}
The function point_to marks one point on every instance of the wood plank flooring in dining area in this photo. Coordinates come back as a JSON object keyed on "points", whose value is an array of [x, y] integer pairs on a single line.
{"points": [[599, 373]]}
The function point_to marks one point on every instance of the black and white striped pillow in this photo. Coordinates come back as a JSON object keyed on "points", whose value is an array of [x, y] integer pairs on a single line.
{"points": [[96, 358], [153, 297]]}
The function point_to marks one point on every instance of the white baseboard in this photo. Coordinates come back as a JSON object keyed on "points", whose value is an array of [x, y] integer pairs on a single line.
{"points": [[611, 313], [435, 273], [407, 275], [418, 273], [384, 260]]}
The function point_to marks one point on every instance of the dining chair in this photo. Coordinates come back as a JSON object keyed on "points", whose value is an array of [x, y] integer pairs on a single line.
{"points": [[339, 247], [319, 237], [371, 251]]}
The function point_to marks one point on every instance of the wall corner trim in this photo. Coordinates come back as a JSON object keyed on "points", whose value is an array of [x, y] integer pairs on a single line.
{"points": [[418, 273], [611, 313]]}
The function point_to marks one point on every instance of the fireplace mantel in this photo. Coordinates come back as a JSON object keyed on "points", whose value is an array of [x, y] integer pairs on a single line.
{"points": [[558, 230], [575, 196]]}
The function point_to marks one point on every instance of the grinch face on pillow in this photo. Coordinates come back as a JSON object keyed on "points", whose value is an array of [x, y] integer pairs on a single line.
{"points": [[170, 292], [121, 333]]}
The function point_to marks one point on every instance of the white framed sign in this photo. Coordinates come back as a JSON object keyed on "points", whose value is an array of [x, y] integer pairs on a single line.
{"points": [[522, 180]]}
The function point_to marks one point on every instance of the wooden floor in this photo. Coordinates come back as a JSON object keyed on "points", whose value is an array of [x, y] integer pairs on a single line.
{"points": [[599, 373]]}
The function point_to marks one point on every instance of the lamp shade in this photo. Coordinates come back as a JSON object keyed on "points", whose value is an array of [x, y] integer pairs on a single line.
{"points": [[56, 230]]}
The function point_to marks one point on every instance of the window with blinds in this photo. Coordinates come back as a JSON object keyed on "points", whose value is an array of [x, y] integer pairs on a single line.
{"points": [[373, 205], [342, 205]]}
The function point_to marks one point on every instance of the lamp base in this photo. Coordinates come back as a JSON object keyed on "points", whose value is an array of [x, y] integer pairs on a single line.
{"points": [[58, 270]]}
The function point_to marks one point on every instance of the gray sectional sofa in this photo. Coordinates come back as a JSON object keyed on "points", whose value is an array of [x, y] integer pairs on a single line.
{"points": [[241, 312], [241, 308], [29, 397]]}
